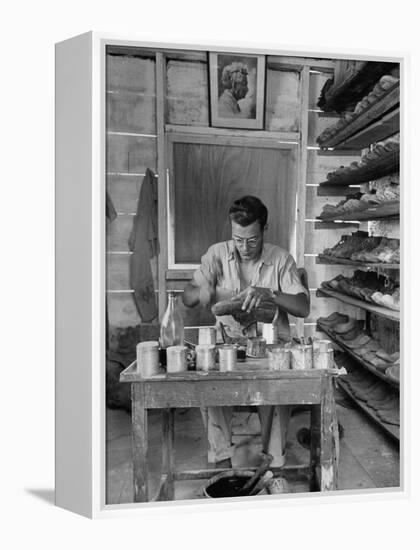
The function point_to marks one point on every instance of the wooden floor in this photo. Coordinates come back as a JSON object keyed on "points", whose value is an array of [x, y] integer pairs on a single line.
{"points": [[368, 459]]}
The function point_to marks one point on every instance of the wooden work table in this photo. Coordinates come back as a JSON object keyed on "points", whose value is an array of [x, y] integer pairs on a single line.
{"points": [[251, 384]]}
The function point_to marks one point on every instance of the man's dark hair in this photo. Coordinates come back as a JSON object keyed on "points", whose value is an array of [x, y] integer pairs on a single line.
{"points": [[247, 210]]}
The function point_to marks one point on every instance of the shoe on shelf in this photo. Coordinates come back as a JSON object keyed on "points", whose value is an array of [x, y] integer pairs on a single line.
{"points": [[354, 332], [368, 244], [333, 319], [360, 340], [382, 354], [342, 328]]}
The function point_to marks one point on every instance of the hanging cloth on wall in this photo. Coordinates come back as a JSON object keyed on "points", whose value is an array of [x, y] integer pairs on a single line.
{"points": [[111, 213], [144, 244]]}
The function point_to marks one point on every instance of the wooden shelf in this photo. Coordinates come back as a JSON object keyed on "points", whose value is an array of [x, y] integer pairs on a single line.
{"points": [[390, 209], [377, 310], [385, 165], [359, 359], [356, 84], [383, 128], [379, 111], [390, 429], [324, 259]]}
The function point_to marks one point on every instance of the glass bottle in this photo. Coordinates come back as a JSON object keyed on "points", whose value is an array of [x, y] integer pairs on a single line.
{"points": [[172, 325]]}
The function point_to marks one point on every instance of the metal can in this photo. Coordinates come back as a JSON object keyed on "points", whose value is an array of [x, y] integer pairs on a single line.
{"points": [[205, 357], [301, 357], [256, 347], [321, 356], [176, 359], [147, 358], [269, 332], [227, 358], [278, 357], [207, 335]]}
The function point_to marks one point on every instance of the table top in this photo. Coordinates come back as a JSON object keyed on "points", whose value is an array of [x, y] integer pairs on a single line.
{"points": [[251, 369]]}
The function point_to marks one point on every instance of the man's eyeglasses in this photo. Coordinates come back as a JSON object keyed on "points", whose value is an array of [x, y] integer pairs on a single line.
{"points": [[252, 243]]}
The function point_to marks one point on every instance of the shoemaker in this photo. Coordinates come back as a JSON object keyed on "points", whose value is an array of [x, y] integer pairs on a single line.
{"points": [[257, 274]]}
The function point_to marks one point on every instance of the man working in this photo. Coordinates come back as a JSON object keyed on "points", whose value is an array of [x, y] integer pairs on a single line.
{"points": [[255, 273]]}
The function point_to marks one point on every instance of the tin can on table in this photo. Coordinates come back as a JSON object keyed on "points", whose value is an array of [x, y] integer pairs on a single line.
{"points": [[256, 347], [207, 335], [176, 359], [301, 357], [321, 354], [269, 333], [278, 358], [227, 358], [147, 354], [205, 358]]}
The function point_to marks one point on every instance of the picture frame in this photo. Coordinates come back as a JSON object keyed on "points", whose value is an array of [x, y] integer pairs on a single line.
{"points": [[237, 90]]}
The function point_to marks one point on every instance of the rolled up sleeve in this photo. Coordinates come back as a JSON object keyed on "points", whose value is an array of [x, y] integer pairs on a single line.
{"points": [[289, 280], [207, 272]]}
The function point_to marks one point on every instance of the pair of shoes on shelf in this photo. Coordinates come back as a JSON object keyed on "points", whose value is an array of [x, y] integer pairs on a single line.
{"points": [[391, 301], [383, 253], [368, 244], [347, 245]]}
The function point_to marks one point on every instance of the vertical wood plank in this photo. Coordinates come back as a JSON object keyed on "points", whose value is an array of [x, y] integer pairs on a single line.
{"points": [[329, 438], [168, 458], [139, 444], [162, 198], [301, 185], [314, 460]]}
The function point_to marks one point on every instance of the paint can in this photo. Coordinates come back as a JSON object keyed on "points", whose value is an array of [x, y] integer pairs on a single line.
{"points": [[256, 347], [278, 358], [205, 358], [301, 357], [321, 354], [207, 335], [227, 358], [147, 358], [176, 359]]}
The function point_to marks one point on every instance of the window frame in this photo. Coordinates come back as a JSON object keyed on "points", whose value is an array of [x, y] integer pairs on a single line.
{"points": [[268, 142]]}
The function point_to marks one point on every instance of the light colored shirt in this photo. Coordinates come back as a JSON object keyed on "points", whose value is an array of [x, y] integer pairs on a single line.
{"points": [[228, 106], [276, 270]]}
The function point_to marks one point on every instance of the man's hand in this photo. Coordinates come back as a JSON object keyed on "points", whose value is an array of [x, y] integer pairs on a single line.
{"points": [[253, 297]]}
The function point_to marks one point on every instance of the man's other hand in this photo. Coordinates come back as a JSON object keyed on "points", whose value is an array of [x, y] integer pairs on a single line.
{"points": [[254, 296]]}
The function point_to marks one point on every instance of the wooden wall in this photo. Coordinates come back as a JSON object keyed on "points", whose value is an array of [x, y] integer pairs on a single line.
{"points": [[131, 148]]}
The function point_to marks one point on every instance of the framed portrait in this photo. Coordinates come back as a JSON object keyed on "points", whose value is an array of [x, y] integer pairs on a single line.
{"points": [[237, 84]]}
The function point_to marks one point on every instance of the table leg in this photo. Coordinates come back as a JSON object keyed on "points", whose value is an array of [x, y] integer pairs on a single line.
{"points": [[315, 452], [168, 423], [139, 444], [329, 438]]}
